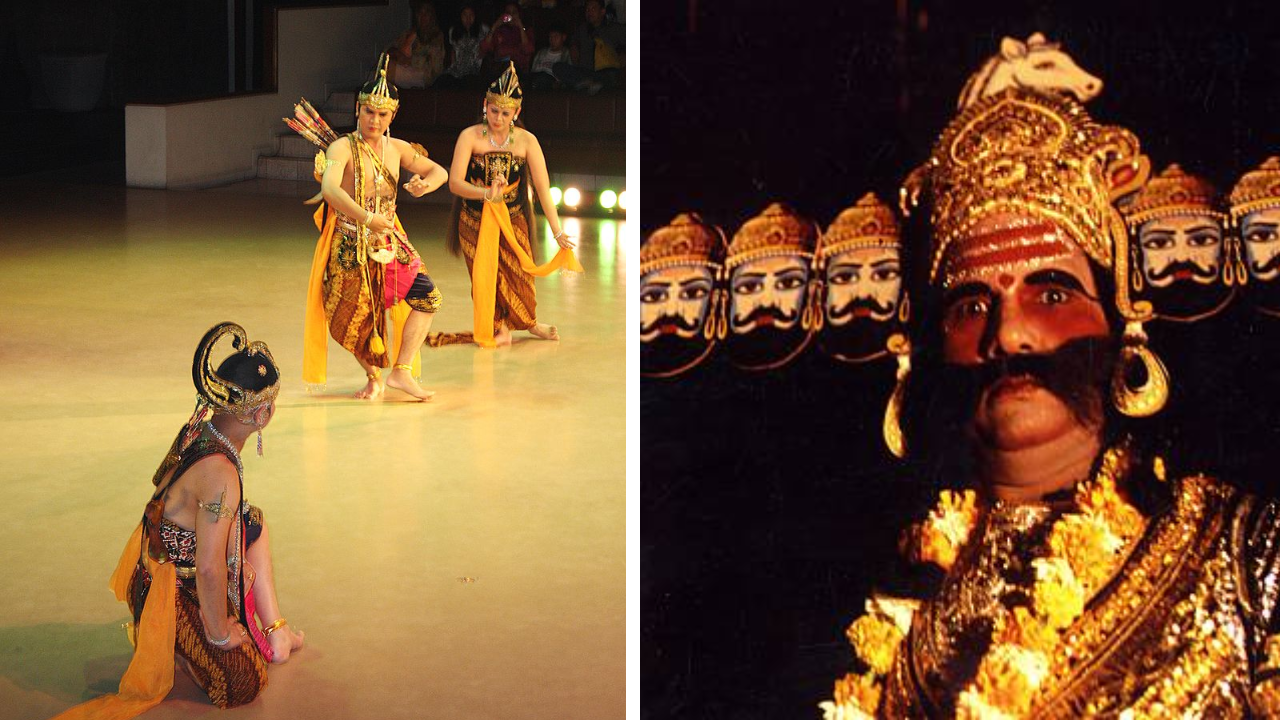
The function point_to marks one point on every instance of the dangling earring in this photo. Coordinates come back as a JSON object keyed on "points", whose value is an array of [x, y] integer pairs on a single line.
{"points": [[1135, 270], [1242, 271], [259, 442], [904, 310], [1149, 397], [709, 323], [892, 428]]}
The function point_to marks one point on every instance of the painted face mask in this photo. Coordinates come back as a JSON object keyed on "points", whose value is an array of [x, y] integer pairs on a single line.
{"points": [[1181, 262], [679, 269], [859, 264], [769, 313], [1255, 216]]}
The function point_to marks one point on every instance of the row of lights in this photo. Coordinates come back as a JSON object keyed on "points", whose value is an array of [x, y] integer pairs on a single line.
{"points": [[571, 197]]}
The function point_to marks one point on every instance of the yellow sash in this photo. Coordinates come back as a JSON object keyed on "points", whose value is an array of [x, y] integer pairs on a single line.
{"points": [[150, 674], [494, 220], [315, 330]]}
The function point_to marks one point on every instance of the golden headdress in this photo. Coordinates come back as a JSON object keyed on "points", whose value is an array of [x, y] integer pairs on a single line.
{"points": [[505, 92], [1173, 192], [869, 223], [1259, 189], [223, 394], [1026, 154], [378, 93], [775, 232], [687, 240]]}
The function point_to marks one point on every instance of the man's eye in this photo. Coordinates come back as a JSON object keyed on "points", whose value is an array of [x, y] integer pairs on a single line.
{"points": [[844, 277], [749, 287], [885, 275], [693, 293], [789, 283], [653, 296], [970, 308], [1206, 240], [1157, 243], [1054, 296], [1261, 236]]}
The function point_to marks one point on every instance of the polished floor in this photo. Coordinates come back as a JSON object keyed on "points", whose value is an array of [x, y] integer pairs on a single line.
{"points": [[513, 476]]}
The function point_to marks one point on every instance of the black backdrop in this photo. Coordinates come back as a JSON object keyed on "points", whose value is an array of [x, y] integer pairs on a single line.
{"points": [[768, 502]]}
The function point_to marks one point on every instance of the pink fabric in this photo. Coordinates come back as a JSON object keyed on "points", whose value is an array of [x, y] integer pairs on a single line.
{"points": [[398, 280], [259, 637]]}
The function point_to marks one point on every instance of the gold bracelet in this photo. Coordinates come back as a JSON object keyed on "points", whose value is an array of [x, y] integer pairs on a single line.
{"points": [[274, 626], [367, 218]]}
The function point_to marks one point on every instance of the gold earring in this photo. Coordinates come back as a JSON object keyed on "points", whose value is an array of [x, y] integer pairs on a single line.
{"points": [[1148, 398], [1136, 269], [892, 428], [904, 309], [1242, 271]]}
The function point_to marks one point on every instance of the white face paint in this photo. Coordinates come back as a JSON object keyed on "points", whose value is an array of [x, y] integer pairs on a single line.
{"points": [[865, 276], [774, 286], [674, 301], [1261, 234], [1184, 247]]}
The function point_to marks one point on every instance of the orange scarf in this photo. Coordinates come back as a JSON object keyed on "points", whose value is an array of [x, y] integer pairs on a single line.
{"points": [[150, 674], [495, 220]]}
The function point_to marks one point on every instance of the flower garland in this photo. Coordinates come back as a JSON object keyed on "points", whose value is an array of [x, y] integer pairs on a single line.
{"points": [[1085, 548]]}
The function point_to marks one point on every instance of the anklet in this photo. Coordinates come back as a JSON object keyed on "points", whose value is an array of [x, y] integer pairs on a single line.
{"points": [[274, 626], [402, 366], [375, 375]]}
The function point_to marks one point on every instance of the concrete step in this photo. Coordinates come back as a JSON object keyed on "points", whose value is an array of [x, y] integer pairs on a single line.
{"points": [[285, 168], [294, 145]]}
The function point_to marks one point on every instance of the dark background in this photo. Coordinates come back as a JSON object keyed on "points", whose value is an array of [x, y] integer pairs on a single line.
{"points": [[768, 504]]}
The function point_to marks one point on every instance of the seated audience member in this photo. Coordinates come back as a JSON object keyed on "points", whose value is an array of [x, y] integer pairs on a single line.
{"points": [[418, 55]]}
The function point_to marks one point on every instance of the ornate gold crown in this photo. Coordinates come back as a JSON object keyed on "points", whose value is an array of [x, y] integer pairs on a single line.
{"points": [[505, 92], [226, 396], [687, 240], [1172, 192], [869, 223], [380, 97], [1259, 189], [775, 232], [1022, 153]]}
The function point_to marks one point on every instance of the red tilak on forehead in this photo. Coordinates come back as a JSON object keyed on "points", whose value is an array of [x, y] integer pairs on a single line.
{"points": [[1006, 248]]}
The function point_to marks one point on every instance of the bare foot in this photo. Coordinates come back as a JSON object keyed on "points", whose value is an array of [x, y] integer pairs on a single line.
{"points": [[544, 331], [372, 390], [402, 380], [284, 642], [503, 336]]}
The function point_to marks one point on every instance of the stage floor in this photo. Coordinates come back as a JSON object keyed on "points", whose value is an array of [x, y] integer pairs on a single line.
{"points": [[514, 475]]}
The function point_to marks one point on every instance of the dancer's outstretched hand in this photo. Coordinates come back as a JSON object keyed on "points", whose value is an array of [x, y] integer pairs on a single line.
{"points": [[419, 186]]}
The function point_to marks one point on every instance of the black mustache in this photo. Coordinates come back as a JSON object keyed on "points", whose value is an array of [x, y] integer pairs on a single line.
{"points": [[1077, 373], [673, 320], [766, 310], [867, 303], [1269, 265], [1177, 266]]}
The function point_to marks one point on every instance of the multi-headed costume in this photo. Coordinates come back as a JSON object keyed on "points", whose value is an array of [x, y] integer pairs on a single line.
{"points": [[1082, 605]]}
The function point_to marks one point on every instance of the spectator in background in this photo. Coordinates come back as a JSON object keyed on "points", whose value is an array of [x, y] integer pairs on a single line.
{"points": [[543, 74], [464, 47], [598, 50], [418, 55], [508, 41]]}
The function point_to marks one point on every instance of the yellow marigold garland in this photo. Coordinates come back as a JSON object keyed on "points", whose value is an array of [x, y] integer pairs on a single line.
{"points": [[1085, 548]]}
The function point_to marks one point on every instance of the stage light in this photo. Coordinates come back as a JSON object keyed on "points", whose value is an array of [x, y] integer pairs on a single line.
{"points": [[555, 195], [622, 200], [572, 196], [608, 199]]}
